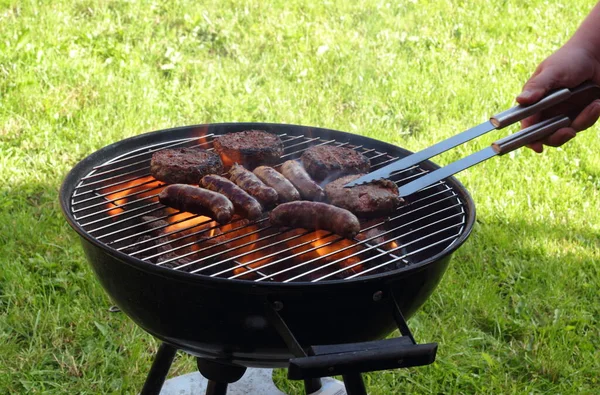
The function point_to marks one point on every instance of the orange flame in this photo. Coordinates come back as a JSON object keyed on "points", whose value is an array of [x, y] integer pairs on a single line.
{"points": [[188, 220], [227, 161], [248, 257], [202, 131], [136, 189], [327, 251], [320, 241]]}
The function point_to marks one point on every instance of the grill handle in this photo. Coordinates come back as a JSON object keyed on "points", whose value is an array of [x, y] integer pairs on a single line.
{"points": [[353, 358]]}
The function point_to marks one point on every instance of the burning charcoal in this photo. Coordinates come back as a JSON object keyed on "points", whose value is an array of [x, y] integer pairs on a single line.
{"points": [[150, 222], [141, 244], [183, 238], [175, 263], [374, 232]]}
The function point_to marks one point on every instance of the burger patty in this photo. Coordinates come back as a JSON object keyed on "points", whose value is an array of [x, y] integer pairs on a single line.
{"points": [[330, 162], [184, 165], [250, 148], [370, 200]]}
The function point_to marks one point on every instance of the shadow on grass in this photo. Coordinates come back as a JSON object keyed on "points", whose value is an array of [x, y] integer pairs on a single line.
{"points": [[521, 301]]}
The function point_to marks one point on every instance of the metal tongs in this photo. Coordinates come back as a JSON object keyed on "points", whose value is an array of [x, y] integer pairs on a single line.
{"points": [[503, 146]]}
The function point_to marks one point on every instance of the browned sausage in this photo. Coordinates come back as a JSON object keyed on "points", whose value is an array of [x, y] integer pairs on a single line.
{"points": [[315, 215], [271, 177], [198, 201], [250, 183], [308, 189], [244, 204]]}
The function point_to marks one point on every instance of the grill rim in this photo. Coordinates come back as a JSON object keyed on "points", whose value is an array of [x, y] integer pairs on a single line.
{"points": [[75, 177]]}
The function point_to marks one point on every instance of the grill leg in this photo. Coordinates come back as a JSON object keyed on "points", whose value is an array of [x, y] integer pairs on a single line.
{"points": [[159, 370], [216, 388], [219, 375], [354, 384], [312, 385]]}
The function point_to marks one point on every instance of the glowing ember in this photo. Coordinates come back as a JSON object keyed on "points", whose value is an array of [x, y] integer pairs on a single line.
{"points": [[392, 245]]}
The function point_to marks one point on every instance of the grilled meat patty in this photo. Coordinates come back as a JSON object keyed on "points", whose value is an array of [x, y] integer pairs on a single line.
{"points": [[250, 148], [370, 200], [184, 165], [315, 215], [330, 162]]}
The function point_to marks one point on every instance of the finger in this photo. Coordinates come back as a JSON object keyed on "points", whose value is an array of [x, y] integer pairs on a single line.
{"points": [[560, 137], [537, 146], [538, 86], [532, 120], [587, 117]]}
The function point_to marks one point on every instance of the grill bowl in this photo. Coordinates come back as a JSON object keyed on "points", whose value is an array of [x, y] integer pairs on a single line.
{"points": [[225, 319]]}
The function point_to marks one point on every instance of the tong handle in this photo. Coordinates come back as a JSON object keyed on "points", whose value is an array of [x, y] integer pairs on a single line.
{"points": [[533, 133], [518, 113]]}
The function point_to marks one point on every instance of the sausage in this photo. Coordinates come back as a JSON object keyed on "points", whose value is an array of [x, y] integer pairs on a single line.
{"points": [[308, 189], [271, 177], [198, 201], [250, 183], [315, 215], [242, 202]]}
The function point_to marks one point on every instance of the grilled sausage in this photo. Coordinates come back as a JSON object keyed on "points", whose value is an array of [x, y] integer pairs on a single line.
{"points": [[243, 203], [250, 183], [198, 201], [315, 215], [308, 189], [271, 177]]}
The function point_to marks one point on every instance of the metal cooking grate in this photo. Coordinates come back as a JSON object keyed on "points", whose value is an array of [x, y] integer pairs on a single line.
{"points": [[117, 204]]}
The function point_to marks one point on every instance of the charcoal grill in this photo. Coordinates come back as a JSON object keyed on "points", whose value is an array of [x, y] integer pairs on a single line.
{"points": [[247, 294]]}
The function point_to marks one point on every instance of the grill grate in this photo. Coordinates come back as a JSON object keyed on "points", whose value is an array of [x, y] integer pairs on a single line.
{"points": [[117, 204]]}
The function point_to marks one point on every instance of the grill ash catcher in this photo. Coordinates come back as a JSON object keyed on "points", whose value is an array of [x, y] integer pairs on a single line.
{"points": [[246, 295]]}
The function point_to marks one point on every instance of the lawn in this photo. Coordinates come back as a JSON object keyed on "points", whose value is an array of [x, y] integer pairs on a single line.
{"points": [[518, 310]]}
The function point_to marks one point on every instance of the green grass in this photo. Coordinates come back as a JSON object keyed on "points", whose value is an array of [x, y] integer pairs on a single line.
{"points": [[517, 312]]}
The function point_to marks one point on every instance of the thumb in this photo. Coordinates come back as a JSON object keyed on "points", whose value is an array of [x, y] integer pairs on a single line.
{"points": [[537, 87]]}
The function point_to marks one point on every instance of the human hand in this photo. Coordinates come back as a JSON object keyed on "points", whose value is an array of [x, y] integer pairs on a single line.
{"points": [[568, 67]]}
